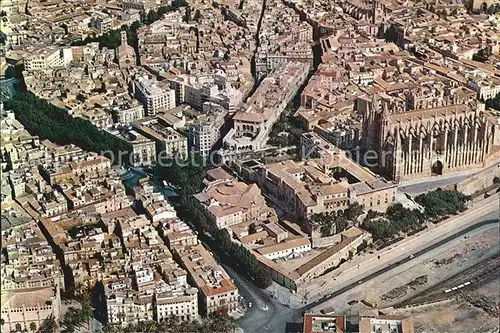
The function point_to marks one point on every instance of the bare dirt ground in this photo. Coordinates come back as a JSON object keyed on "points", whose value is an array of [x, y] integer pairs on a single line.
{"points": [[464, 253], [460, 315], [410, 279]]}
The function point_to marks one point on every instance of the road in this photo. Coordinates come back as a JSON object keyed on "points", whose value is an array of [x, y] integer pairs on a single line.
{"points": [[356, 282], [406, 272], [266, 313], [420, 186], [274, 319]]}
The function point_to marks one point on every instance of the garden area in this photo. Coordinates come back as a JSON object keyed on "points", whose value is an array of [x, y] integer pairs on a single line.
{"points": [[286, 131], [399, 220]]}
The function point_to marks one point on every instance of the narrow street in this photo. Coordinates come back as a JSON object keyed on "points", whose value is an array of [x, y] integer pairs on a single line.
{"points": [[257, 44], [266, 313]]}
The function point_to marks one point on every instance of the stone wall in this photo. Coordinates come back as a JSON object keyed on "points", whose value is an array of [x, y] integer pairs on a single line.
{"points": [[319, 242], [479, 181]]}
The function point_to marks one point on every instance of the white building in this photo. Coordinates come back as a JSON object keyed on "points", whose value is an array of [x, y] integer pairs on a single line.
{"points": [[196, 90], [46, 58], [143, 276], [125, 114], [124, 307], [183, 306], [286, 249], [154, 95], [205, 132]]}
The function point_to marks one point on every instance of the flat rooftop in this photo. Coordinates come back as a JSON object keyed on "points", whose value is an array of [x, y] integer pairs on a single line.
{"points": [[323, 323]]}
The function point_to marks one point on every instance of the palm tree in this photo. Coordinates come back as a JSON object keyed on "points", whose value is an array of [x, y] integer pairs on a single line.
{"points": [[325, 222], [49, 325]]}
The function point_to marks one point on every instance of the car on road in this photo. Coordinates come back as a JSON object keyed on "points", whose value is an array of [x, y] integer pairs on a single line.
{"points": [[327, 311], [351, 302], [360, 281], [411, 256], [250, 304], [369, 302]]}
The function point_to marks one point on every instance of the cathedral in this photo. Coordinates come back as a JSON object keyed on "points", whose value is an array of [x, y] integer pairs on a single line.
{"points": [[443, 136]]}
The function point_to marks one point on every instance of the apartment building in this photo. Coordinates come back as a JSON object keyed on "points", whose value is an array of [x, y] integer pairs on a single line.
{"points": [[141, 151], [154, 95], [227, 201], [183, 306], [204, 133], [127, 113], [58, 172], [177, 233], [49, 57], [217, 292], [169, 142], [142, 5], [19, 147], [127, 306], [101, 21], [198, 89], [31, 278]]}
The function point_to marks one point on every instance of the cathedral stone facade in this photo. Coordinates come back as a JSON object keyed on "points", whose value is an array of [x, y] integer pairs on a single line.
{"points": [[446, 137]]}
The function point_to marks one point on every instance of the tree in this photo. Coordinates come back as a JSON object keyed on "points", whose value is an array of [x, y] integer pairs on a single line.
{"points": [[109, 329], [442, 202], [496, 180], [286, 125], [330, 223], [223, 324], [397, 219], [380, 229], [341, 223], [32, 326], [65, 27], [47, 121], [493, 8], [151, 17], [353, 211], [325, 223], [187, 15], [252, 229], [263, 278], [197, 16], [240, 258], [391, 34], [49, 325]]}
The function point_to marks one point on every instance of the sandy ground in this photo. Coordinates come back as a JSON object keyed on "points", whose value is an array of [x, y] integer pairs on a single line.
{"points": [[458, 315], [436, 266]]}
